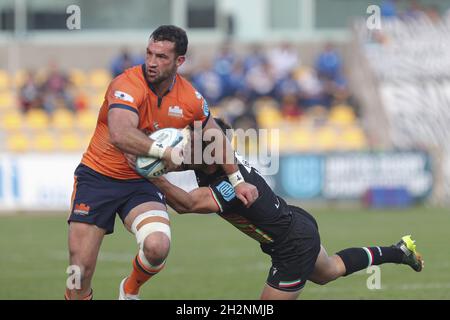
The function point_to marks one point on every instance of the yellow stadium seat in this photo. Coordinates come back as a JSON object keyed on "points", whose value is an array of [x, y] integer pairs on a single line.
{"points": [[78, 78], [17, 142], [342, 115], [37, 119], [44, 142], [269, 117], [12, 121], [7, 100], [63, 119], [5, 81], [353, 138], [326, 139], [301, 139], [70, 142], [87, 120], [99, 78]]}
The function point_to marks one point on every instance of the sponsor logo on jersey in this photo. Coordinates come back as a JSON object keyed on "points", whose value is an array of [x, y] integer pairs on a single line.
{"points": [[176, 111], [226, 190], [123, 96], [81, 209], [205, 107]]}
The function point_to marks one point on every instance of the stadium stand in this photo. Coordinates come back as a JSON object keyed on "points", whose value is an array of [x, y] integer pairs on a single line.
{"points": [[59, 107]]}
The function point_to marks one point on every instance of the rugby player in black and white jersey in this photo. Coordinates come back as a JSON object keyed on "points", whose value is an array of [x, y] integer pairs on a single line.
{"points": [[287, 233]]}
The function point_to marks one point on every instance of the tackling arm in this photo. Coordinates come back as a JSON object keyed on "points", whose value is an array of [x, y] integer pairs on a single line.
{"points": [[199, 200]]}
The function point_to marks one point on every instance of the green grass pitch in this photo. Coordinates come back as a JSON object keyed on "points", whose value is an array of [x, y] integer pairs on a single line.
{"points": [[209, 259]]}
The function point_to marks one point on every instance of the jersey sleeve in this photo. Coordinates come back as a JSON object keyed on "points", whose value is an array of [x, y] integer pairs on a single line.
{"points": [[224, 195], [124, 94]]}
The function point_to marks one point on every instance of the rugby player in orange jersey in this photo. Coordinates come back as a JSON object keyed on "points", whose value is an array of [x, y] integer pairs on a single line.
{"points": [[141, 100]]}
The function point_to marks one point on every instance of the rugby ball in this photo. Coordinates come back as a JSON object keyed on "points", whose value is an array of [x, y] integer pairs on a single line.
{"points": [[150, 167]]}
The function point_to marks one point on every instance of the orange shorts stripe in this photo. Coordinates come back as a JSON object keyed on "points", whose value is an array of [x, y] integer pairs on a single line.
{"points": [[74, 192]]}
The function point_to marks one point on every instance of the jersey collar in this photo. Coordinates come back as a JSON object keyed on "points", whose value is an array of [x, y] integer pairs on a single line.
{"points": [[153, 88]]}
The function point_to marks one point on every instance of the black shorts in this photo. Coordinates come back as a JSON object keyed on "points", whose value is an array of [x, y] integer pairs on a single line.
{"points": [[97, 198], [294, 257]]}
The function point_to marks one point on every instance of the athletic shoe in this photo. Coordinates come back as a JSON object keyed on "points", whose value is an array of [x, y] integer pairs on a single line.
{"points": [[411, 257], [126, 296]]}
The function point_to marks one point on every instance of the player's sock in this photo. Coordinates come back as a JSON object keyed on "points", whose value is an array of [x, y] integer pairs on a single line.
{"points": [[356, 259], [90, 296], [141, 273]]}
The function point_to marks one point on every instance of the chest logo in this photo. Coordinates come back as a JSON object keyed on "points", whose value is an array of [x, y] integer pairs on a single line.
{"points": [[175, 111]]}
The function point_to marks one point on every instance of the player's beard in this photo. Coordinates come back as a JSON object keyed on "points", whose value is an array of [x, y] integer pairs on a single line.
{"points": [[168, 74]]}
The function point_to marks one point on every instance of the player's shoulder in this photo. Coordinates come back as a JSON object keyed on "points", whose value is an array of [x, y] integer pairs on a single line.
{"points": [[131, 78], [186, 91]]}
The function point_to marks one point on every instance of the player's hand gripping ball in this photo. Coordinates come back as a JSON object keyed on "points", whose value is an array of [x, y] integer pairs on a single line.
{"points": [[150, 167]]}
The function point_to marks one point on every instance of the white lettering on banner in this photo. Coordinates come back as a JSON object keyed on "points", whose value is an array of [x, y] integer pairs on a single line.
{"points": [[351, 175]]}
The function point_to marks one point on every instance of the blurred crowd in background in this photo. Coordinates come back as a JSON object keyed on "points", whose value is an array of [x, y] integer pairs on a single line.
{"points": [[227, 81], [268, 86]]}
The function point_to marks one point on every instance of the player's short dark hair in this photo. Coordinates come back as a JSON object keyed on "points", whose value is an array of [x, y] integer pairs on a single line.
{"points": [[173, 34]]}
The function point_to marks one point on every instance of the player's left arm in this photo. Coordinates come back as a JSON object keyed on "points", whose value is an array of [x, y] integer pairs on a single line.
{"points": [[199, 200]]}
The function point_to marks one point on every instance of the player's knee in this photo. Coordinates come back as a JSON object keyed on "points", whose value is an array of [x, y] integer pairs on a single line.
{"points": [[156, 248], [152, 230]]}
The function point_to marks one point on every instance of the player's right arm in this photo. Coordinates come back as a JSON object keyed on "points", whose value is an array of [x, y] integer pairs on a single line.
{"points": [[123, 122], [124, 133]]}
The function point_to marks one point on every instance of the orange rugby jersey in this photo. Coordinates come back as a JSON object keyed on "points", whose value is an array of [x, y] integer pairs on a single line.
{"points": [[180, 106]]}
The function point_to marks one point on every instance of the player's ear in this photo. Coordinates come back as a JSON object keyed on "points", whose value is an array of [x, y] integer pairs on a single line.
{"points": [[180, 60]]}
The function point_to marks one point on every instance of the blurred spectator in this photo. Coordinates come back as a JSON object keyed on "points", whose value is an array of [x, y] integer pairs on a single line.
{"points": [[432, 12], [56, 90], [414, 10], [287, 86], [260, 81], [311, 88], [209, 83], [254, 59], [124, 61], [29, 94], [389, 8], [223, 62], [238, 113], [290, 107], [328, 63], [283, 59], [236, 81]]}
